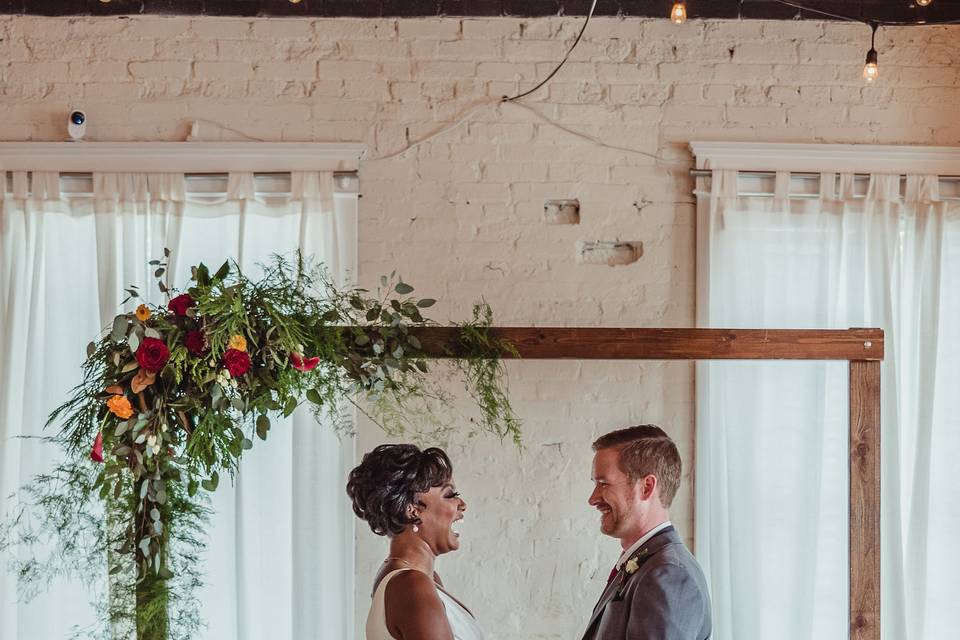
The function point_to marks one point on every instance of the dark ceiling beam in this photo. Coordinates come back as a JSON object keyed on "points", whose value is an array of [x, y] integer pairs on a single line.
{"points": [[882, 10]]}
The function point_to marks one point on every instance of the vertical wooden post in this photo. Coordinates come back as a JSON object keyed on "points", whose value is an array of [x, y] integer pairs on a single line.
{"points": [[864, 500]]}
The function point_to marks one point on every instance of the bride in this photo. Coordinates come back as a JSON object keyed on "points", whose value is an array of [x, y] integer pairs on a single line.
{"points": [[409, 496]]}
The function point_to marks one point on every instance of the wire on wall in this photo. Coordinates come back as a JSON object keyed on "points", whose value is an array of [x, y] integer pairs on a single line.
{"points": [[516, 100]]}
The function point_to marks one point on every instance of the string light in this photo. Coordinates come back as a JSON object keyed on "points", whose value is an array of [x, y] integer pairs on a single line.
{"points": [[871, 70], [679, 12]]}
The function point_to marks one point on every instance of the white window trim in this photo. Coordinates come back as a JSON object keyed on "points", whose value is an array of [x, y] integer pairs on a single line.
{"points": [[181, 157], [855, 158]]}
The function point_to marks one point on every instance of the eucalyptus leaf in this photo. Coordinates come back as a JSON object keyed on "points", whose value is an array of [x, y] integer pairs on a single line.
{"points": [[426, 302], [247, 444], [150, 332], [130, 366], [133, 341], [263, 425], [119, 328], [91, 349], [403, 288]]}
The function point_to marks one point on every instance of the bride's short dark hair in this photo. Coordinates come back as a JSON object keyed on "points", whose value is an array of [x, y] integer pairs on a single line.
{"points": [[387, 480]]}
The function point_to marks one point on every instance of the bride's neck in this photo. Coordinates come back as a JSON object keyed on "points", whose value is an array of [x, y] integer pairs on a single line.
{"points": [[414, 552]]}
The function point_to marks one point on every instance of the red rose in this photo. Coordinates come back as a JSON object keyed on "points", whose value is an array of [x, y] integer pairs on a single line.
{"points": [[302, 363], [237, 362], [152, 354], [195, 342], [181, 303], [96, 454]]}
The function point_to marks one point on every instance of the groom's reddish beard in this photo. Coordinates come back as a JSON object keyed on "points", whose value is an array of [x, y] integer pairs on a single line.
{"points": [[609, 521]]}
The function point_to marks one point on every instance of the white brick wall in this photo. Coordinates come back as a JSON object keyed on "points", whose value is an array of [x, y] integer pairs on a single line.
{"points": [[461, 216]]}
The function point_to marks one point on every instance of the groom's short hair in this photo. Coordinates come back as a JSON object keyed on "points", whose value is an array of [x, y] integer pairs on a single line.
{"points": [[646, 450]]}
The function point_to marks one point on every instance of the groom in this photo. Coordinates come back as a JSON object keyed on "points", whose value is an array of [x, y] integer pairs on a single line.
{"points": [[656, 590]]}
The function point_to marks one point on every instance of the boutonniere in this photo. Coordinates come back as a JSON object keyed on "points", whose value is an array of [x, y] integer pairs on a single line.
{"points": [[630, 567]]}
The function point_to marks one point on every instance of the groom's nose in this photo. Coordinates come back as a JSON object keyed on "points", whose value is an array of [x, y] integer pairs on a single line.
{"points": [[594, 499]]}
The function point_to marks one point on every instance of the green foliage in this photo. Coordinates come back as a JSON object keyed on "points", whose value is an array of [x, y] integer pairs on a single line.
{"points": [[484, 374], [157, 389]]}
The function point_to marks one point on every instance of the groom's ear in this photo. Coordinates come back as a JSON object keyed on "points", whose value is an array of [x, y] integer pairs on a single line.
{"points": [[647, 485]]}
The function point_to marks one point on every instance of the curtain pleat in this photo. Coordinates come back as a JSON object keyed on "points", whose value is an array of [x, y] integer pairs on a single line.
{"points": [[279, 561]]}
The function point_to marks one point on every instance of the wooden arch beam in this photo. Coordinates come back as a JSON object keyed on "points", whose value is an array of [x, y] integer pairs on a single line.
{"points": [[862, 348]]}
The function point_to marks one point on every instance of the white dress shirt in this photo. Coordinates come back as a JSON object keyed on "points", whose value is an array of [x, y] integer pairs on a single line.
{"points": [[629, 551]]}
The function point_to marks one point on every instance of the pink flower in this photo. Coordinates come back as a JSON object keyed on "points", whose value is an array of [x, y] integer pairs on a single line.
{"points": [[181, 303], [301, 363], [96, 454]]}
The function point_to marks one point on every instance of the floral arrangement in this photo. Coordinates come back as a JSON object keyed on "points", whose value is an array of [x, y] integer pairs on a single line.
{"points": [[174, 394]]}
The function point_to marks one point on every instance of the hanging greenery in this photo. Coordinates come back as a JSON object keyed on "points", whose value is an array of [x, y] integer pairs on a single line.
{"points": [[172, 396]]}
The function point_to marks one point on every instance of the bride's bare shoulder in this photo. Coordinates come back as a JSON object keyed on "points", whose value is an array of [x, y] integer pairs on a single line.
{"points": [[411, 584], [414, 609]]}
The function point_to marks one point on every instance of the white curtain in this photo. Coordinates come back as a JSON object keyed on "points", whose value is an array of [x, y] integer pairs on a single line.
{"points": [[772, 437], [280, 549]]}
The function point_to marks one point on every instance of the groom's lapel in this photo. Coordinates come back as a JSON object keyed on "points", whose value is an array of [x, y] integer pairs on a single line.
{"points": [[650, 547]]}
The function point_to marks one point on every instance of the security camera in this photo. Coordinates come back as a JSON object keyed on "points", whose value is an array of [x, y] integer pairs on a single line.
{"points": [[77, 124]]}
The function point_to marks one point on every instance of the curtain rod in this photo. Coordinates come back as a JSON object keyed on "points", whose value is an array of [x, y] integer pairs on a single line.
{"points": [[706, 173]]}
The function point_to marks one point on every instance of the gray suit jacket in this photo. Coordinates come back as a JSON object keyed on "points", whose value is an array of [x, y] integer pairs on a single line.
{"points": [[665, 599]]}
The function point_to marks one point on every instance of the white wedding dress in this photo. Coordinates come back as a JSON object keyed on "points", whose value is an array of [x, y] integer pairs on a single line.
{"points": [[463, 624]]}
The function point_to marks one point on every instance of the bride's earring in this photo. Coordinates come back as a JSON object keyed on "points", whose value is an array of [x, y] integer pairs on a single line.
{"points": [[416, 528]]}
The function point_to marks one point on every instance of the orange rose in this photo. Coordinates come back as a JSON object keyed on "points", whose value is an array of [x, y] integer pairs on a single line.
{"points": [[120, 407], [143, 313], [238, 342]]}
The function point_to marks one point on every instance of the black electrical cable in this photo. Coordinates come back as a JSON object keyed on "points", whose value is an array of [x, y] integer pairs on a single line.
{"points": [[867, 21], [562, 62]]}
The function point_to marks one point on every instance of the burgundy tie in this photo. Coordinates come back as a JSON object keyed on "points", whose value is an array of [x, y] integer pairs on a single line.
{"points": [[613, 574]]}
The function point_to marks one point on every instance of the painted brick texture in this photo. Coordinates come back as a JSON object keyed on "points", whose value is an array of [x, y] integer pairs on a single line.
{"points": [[461, 216]]}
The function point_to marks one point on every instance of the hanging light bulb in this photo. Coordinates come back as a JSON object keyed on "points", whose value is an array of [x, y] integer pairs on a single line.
{"points": [[924, 3], [679, 12], [294, 1], [871, 70]]}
